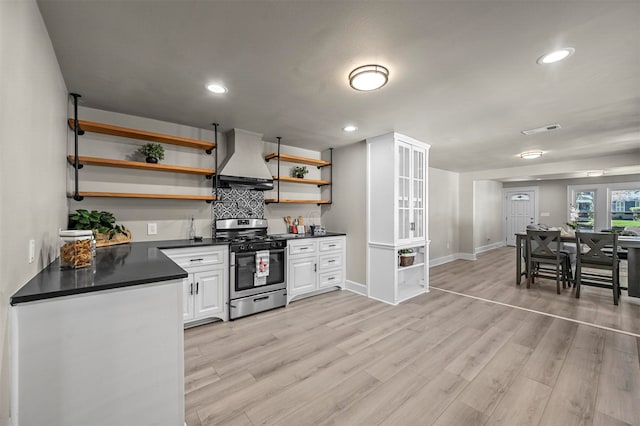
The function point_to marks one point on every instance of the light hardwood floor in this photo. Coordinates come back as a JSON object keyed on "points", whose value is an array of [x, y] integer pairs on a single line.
{"points": [[441, 358]]}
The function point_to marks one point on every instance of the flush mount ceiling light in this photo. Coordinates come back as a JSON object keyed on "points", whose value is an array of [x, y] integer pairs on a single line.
{"points": [[530, 155], [558, 55], [368, 77], [350, 128], [595, 173], [216, 88]]}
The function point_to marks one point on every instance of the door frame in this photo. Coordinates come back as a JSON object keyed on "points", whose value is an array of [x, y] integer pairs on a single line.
{"points": [[505, 205]]}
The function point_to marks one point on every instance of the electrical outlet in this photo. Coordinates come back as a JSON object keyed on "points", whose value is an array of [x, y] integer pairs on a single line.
{"points": [[448, 245], [152, 228], [32, 251]]}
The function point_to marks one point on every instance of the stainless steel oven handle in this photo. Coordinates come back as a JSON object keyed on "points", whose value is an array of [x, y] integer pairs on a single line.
{"points": [[257, 299]]}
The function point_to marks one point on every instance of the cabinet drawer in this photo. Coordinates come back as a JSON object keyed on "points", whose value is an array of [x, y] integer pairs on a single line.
{"points": [[306, 246], [329, 279], [329, 261], [196, 257], [331, 244]]}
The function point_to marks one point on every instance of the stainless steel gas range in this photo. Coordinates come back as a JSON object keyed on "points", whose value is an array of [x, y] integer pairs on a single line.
{"points": [[248, 292]]}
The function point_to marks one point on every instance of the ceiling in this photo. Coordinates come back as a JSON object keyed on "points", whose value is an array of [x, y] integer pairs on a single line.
{"points": [[463, 74]]}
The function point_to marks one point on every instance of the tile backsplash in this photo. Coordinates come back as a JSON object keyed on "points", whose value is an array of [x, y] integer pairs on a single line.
{"points": [[238, 203]]}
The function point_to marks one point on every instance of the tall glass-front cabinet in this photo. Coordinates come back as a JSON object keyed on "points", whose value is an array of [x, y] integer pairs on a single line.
{"points": [[397, 218]]}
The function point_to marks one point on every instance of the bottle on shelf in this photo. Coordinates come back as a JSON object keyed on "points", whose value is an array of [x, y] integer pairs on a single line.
{"points": [[192, 229]]}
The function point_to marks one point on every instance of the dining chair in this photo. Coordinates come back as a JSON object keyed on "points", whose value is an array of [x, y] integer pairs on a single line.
{"points": [[544, 248], [598, 250]]}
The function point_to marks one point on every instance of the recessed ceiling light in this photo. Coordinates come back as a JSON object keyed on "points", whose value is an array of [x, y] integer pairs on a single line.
{"points": [[556, 56], [368, 77], [216, 88], [530, 155], [595, 173], [350, 128]]}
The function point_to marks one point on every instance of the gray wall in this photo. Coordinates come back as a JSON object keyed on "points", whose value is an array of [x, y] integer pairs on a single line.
{"points": [[553, 194], [347, 213], [32, 164], [443, 213], [487, 214]]}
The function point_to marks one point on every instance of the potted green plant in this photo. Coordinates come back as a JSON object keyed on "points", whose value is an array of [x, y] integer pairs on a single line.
{"points": [[407, 256], [103, 224], [300, 171], [153, 152]]}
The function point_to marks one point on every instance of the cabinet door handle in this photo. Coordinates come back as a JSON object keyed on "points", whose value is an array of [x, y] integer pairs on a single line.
{"points": [[196, 260], [331, 278], [315, 267], [332, 245], [332, 261], [197, 285], [304, 248], [191, 288], [413, 226]]}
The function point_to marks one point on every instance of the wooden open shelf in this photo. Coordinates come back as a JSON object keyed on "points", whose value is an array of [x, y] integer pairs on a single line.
{"points": [[107, 129], [275, 200], [297, 180], [106, 162], [295, 159], [207, 198]]}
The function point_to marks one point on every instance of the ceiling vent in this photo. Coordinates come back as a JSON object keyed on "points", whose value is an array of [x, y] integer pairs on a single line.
{"points": [[548, 128]]}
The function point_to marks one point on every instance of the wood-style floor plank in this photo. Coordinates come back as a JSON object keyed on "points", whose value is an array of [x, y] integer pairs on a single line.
{"points": [[440, 358]]}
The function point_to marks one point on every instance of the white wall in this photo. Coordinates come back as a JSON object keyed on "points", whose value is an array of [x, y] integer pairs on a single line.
{"points": [[347, 213], [444, 214], [488, 220], [32, 164], [553, 195]]}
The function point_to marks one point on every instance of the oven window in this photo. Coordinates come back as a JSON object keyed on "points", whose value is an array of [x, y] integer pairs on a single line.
{"points": [[246, 268]]}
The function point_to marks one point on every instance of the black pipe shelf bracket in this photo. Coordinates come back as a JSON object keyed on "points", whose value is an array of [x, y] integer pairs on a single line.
{"points": [[215, 160], [76, 160]]}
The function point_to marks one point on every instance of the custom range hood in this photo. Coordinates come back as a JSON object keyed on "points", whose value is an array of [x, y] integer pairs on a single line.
{"points": [[244, 166]]}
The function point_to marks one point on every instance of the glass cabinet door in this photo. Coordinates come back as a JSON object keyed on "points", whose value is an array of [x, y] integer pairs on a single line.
{"points": [[418, 193], [404, 191]]}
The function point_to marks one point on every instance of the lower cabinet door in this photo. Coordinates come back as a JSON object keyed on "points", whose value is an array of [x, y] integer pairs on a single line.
{"points": [[302, 275], [209, 293], [187, 298]]}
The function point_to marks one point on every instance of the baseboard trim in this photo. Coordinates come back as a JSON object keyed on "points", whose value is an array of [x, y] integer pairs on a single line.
{"points": [[355, 287], [488, 247], [450, 258]]}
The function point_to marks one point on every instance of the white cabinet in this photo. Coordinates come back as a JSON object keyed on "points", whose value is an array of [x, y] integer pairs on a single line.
{"points": [[397, 172], [315, 264], [205, 290]]}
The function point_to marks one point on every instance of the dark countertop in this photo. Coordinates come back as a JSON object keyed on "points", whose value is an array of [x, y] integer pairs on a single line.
{"points": [[114, 267], [300, 236]]}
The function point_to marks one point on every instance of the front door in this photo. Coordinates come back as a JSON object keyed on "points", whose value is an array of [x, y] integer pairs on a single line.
{"points": [[520, 212]]}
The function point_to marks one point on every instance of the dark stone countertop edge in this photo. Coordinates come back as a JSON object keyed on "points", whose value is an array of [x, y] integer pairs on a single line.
{"points": [[52, 282]]}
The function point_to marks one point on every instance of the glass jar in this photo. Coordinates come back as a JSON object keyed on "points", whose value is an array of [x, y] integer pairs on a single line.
{"points": [[76, 249]]}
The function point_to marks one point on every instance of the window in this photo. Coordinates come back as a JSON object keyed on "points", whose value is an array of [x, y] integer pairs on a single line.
{"points": [[520, 197], [585, 208], [625, 207]]}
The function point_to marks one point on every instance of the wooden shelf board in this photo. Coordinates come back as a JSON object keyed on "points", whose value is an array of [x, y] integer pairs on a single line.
{"points": [[297, 180], [415, 265], [274, 200], [124, 132], [296, 159], [153, 196], [94, 161]]}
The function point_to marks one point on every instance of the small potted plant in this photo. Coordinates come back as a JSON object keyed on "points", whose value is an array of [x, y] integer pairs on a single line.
{"points": [[153, 152], [103, 225], [406, 256], [300, 171]]}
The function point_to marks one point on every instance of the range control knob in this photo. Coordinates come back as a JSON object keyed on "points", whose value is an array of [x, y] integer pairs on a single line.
{"points": [[250, 247]]}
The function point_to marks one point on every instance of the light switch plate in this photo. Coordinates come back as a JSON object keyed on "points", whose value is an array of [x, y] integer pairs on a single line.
{"points": [[545, 214], [32, 250], [152, 228]]}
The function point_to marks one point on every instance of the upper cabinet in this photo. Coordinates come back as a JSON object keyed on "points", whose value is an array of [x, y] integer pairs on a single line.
{"points": [[397, 189]]}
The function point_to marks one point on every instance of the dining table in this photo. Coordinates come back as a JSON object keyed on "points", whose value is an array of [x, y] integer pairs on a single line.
{"points": [[632, 244]]}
